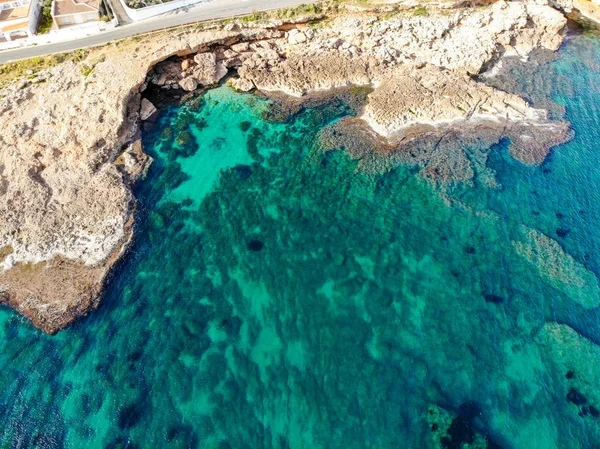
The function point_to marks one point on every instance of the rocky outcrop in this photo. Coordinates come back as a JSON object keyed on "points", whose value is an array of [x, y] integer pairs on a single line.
{"points": [[412, 100], [465, 40], [298, 75], [147, 109], [203, 70], [588, 8], [70, 144], [413, 95]]}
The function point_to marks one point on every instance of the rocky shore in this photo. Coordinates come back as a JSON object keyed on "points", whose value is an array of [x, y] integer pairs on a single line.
{"points": [[71, 133]]}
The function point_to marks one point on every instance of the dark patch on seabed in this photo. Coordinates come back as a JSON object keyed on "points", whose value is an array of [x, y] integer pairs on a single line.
{"points": [[277, 296]]}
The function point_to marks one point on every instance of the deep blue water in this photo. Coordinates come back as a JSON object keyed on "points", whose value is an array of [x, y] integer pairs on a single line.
{"points": [[277, 296]]}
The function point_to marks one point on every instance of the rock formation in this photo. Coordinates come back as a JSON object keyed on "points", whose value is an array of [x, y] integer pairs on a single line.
{"points": [[589, 9], [412, 100], [70, 139]]}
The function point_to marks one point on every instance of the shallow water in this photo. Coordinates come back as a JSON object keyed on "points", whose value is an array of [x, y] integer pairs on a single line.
{"points": [[278, 297]]}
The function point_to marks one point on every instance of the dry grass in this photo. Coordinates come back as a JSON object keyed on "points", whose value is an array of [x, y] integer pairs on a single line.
{"points": [[30, 67]]}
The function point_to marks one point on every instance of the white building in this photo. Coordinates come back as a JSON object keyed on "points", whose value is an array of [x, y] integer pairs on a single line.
{"points": [[69, 12], [18, 18]]}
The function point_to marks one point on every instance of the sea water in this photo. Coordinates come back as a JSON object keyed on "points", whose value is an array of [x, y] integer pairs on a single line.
{"points": [[278, 296]]}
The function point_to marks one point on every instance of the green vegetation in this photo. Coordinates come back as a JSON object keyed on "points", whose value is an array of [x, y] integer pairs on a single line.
{"points": [[106, 14], [46, 19], [420, 12], [254, 17], [289, 13], [20, 69], [86, 69], [286, 13]]}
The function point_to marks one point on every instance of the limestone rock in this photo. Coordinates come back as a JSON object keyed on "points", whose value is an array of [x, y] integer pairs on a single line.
{"points": [[298, 76], [185, 64], [208, 70], [588, 8], [75, 207], [242, 47], [147, 110], [428, 95], [189, 84], [296, 37], [167, 74], [242, 84], [230, 54], [564, 5]]}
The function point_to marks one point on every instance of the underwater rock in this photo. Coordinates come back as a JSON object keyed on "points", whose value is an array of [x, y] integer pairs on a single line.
{"points": [[129, 416], [451, 157], [558, 267], [494, 299], [591, 410], [449, 431], [531, 141], [575, 397], [565, 350], [255, 245], [283, 108], [242, 171], [245, 125]]}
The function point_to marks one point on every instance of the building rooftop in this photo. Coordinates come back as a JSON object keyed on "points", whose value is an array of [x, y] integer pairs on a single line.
{"points": [[15, 27], [65, 7], [21, 12]]}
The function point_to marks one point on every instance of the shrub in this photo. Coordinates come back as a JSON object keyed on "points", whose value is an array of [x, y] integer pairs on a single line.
{"points": [[86, 69], [420, 12], [46, 19]]}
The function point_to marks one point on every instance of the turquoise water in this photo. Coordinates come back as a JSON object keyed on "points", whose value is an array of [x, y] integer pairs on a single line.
{"points": [[277, 296]]}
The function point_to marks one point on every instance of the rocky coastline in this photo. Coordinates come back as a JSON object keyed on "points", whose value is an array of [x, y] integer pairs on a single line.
{"points": [[71, 135]]}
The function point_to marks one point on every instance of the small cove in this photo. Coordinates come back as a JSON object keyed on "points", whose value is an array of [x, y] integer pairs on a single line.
{"points": [[278, 297]]}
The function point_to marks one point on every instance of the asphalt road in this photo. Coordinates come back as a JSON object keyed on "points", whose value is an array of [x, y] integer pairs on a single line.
{"points": [[214, 9]]}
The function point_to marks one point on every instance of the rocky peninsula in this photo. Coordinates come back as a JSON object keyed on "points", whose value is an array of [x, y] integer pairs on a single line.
{"points": [[71, 133]]}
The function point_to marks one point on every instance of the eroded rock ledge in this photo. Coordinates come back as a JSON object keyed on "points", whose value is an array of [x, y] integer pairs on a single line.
{"points": [[71, 141]]}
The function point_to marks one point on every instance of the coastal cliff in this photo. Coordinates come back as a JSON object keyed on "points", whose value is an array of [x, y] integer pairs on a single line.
{"points": [[71, 148]]}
